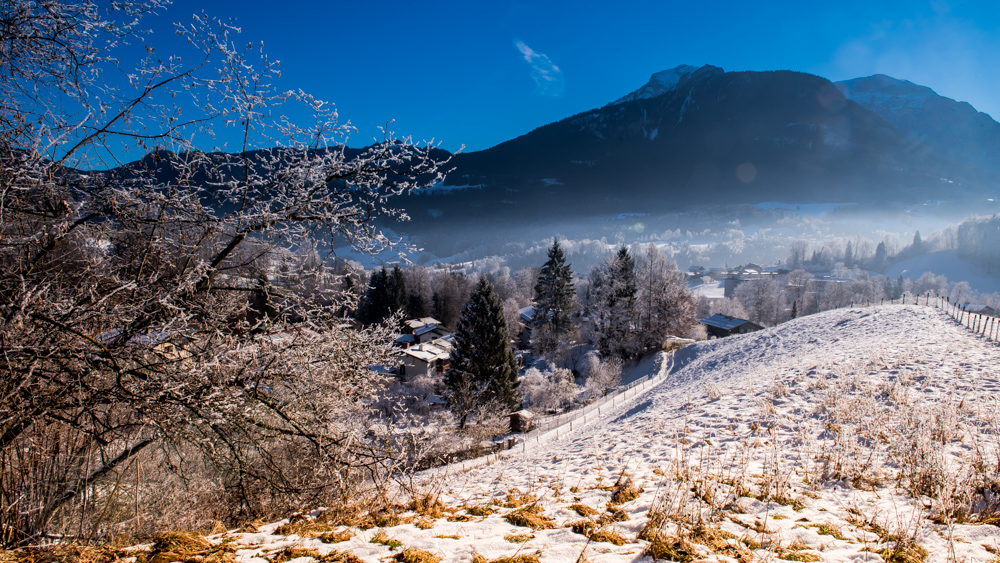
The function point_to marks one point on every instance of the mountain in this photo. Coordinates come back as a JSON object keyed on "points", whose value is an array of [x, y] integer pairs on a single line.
{"points": [[969, 140], [706, 136]]}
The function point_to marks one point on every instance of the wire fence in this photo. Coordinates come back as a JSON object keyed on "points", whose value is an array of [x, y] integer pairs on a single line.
{"points": [[981, 324], [546, 429]]}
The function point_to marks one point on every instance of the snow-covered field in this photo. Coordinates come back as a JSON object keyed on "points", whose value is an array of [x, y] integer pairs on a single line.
{"points": [[852, 435]]}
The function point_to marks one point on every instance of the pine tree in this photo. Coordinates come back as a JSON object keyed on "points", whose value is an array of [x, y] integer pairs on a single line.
{"points": [[483, 368], [880, 253], [385, 296], [555, 302], [795, 309]]}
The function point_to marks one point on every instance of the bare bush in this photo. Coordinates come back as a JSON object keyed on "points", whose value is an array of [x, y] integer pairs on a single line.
{"points": [[548, 390], [600, 375], [159, 306]]}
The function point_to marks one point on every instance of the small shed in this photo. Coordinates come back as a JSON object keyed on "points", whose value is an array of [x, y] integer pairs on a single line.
{"points": [[520, 421], [720, 325]]}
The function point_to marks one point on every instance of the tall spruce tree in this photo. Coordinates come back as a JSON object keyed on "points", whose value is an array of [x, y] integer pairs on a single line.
{"points": [[483, 368], [555, 302]]}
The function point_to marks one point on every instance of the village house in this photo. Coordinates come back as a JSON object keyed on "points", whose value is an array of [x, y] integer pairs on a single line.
{"points": [[426, 358], [720, 325], [525, 316]]}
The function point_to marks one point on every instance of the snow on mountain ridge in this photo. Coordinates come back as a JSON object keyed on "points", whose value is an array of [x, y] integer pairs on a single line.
{"points": [[883, 94], [659, 83]]}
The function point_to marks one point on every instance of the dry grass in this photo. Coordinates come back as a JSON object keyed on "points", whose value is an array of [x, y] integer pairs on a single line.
{"points": [[901, 552], [480, 510], [413, 555], [671, 548], [530, 516], [383, 538], [335, 537], [425, 523], [801, 556], [303, 527], [583, 510], [828, 530], [76, 553], [428, 505], [625, 491], [522, 558], [519, 538], [293, 552], [608, 536], [340, 557], [516, 499], [613, 514]]}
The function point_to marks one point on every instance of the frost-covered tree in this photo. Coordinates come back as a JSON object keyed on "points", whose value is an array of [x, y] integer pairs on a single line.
{"points": [[612, 305], [555, 303], [600, 376], [760, 298], [127, 289], [548, 390], [665, 306], [482, 368]]}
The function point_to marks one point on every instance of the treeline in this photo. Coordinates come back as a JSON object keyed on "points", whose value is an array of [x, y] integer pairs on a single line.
{"points": [[979, 242], [772, 300]]}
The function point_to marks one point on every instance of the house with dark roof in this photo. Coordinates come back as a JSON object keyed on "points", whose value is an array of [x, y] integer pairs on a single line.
{"points": [[526, 320], [720, 325]]}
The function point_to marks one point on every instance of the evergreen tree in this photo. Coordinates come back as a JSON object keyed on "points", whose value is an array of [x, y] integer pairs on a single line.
{"points": [[483, 368], [396, 294], [881, 253], [795, 309], [849, 255], [555, 302], [385, 296]]}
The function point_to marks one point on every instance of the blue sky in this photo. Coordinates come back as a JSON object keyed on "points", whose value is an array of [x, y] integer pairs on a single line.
{"points": [[479, 73]]}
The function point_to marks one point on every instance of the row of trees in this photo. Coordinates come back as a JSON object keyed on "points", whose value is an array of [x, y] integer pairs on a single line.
{"points": [[769, 300]]}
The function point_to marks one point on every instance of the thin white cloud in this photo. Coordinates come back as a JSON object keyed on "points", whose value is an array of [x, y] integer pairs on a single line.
{"points": [[548, 78]]}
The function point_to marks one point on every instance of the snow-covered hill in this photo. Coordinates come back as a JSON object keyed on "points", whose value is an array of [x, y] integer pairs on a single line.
{"points": [[852, 435]]}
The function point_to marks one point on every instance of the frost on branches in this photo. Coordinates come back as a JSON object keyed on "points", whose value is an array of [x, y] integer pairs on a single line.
{"points": [[155, 320]]}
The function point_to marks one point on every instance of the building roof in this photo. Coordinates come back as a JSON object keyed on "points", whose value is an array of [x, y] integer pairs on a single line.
{"points": [[527, 313], [421, 322], [724, 322], [426, 352], [421, 330]]}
